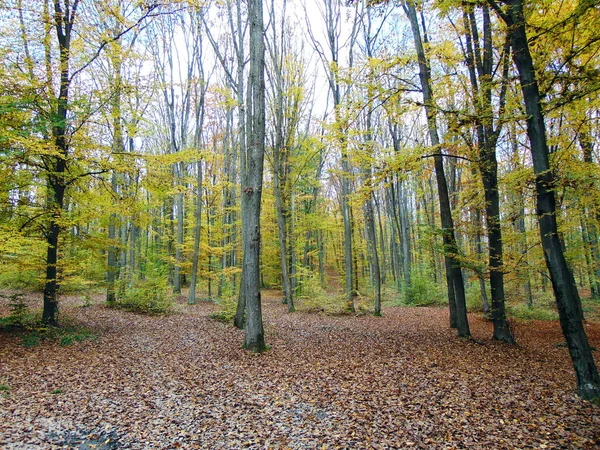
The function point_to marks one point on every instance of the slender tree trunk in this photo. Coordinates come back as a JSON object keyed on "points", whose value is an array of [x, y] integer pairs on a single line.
{"points": [[111, 269], [372, 244], [197, 228], [283, 243], [405, 237], [479, 251], [453, 271], [588, 258], [585, 141]]}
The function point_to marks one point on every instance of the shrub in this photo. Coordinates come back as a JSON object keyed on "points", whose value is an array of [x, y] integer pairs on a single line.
{"points": [[473, 296], [522, 311], [11, 278], [20, 316], [66, 335], [148, 296], [31, 339], [311, 287], [423, 291], [227, 309], [72, 335]]}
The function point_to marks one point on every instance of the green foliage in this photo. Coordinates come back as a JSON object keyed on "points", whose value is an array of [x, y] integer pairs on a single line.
{"points": [[87, 301], [537, 312], [227, 309], [313, 298], [4, 388], [311, 286], [65, 336], [423, 292], [148, 296], [21, 260], [327, 303], [473, 296], [32, 339], [72, 335], [20, 279], [19, 316], [56, 391]]}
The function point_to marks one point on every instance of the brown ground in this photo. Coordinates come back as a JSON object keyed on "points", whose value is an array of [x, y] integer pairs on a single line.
{"points": [[401, 381]]}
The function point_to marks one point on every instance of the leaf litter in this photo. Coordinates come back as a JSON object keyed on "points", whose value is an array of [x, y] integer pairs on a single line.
{"points": [[399, 381]]}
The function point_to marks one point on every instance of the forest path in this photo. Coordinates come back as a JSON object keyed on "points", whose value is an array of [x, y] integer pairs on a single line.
{"points": [[400, 381]]}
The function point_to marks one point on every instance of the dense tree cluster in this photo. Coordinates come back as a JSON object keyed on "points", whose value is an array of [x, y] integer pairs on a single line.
{"points": [[419, 150]]}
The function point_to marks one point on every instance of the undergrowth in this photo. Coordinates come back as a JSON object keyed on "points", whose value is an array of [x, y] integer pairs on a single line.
{"points": [[147, 296], [65, 335], [26, 322], [524, 312], [423, 291], [227, 307], [19, 316]]}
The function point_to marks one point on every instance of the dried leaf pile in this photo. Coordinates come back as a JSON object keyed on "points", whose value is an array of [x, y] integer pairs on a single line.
{"points": [[400, 381]]}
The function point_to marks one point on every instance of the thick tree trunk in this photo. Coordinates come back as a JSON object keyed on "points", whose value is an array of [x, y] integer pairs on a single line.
{"points": [[56, 179], [563, 282], [252, 187], [50, 312]]}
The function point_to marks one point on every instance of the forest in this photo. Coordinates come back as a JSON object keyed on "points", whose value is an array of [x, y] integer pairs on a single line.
{"points": [[299, 223]]}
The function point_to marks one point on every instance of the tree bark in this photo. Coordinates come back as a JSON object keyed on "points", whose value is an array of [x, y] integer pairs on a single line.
{"points": [[197, 228], [252, 183], [454, 277], [479, 61], [56, 179], [563, 282]]}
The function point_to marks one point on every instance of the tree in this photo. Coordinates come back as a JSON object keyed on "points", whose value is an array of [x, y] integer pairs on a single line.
{"points": [[63, 115], [200, 87], [456, 289], [252, 180], [331, 13], [563, 282], [370, 36], [479, 59], [286, 98]]}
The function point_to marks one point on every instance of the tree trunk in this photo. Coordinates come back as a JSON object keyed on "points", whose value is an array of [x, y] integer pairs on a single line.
{"points": [[179, 242], [56, 179], [405, 237], [197, 228], [563, 282], [111, 269], [454, 277], [372, 244], [487, 137], [252, 182], [283, 242]]}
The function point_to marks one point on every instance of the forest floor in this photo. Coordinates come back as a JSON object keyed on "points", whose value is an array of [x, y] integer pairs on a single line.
{"points": [[183, 381]]}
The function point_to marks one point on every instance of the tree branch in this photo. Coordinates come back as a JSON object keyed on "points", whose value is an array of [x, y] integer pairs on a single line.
{"points": [[447, 156]]}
